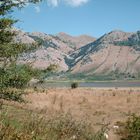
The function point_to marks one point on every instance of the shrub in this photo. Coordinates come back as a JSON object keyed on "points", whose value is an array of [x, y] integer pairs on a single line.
{"points": [[11, 94], [15, 77], [130, 130], [74, 85], [35, 127], [18, 76]]}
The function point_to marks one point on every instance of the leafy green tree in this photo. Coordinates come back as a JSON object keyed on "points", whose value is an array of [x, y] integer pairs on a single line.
{"points": [[10, 73]]}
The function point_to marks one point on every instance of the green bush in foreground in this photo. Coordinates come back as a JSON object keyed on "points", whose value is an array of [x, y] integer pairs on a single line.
{"points": [[15, 77], [13, 95], [130, 130], [18, 76], [34, 127]]}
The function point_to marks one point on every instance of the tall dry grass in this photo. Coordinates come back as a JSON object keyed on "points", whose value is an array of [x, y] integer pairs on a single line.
{"points": [[33, 126]]}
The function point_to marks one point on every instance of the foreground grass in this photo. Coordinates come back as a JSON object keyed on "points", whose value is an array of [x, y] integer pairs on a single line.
{"points": [[19, 124], [44, 115]]}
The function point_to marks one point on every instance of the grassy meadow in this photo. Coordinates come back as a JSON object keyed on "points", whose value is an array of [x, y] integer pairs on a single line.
{"points": [[66, 114]]}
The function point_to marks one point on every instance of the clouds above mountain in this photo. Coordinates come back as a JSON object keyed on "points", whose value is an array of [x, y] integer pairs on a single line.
{"points": [[74, 3], [37, 9]]}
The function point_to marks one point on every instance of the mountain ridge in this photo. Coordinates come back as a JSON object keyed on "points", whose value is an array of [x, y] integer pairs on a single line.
{"points": [[116, 52]]}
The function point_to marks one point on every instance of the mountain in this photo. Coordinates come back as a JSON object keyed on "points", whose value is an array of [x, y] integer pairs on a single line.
{"points": [[115, 54], [53, 49], [75, 42]]}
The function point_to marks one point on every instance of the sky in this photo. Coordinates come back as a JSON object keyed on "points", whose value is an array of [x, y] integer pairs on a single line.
{"points": [[76, 17]]}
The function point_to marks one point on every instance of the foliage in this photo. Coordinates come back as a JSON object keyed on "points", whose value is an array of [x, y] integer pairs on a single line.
{"points": [[114, 75], [35, 127], [19, 77], [12, 94], [16, 78], [130, 130], [74, 85], [51, 69], [7, 6], [12, 75]]}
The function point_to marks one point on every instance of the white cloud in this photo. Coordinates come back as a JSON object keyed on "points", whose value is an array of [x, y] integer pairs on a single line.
{"points": [[37, 9], [53, 3], [74, 3]]}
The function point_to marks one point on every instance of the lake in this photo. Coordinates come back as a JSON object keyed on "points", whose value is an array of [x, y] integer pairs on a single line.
{"points": [[90, 84]]}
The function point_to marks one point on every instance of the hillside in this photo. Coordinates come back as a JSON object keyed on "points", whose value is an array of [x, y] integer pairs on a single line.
{"points": [[53, 50], [115, 54], [75, 42]]}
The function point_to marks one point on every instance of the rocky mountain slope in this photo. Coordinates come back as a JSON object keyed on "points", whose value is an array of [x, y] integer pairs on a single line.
{"points": [[75, 42], [53, 49], [115, 53]]}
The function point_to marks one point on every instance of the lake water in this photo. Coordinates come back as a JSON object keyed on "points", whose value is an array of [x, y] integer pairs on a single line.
{"points": [[90, 84]]}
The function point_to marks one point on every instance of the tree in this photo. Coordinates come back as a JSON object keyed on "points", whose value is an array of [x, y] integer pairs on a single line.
{"points": [[9, 49]]}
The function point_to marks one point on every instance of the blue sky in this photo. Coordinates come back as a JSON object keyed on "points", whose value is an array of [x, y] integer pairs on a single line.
{"points": [[75, 17]]}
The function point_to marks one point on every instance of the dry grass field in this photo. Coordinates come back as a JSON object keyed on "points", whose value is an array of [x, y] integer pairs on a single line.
{"points": [[95, 106]]}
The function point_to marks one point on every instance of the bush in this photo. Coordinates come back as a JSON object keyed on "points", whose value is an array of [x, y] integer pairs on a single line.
{"points": [[11, 94], [130, 130], [35, 127], [18, 76], [74, 85]]}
